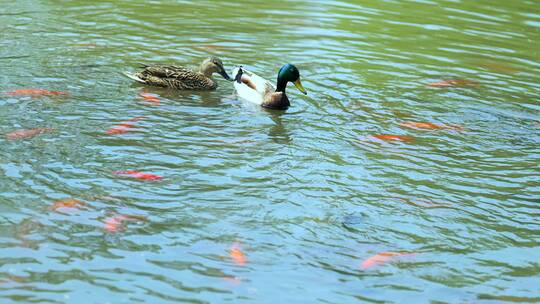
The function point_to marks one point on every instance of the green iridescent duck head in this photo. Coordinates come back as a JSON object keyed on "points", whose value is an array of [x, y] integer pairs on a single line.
{"points": [[289, 73]]}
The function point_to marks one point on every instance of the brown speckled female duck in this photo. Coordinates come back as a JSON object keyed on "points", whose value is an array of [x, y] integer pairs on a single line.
{"points": [[181, 78]]}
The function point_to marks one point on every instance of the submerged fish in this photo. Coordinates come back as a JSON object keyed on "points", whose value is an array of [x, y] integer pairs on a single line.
{"points": [[453, 83], [138, 175], [382, 258], [150, 97], [501, 67], [13, 279], [66, 203], [237, 255], [426, 204], [85, 45], [388, 137], [27, 133], [124, 126], [36, 92], [429, 126], [116, 223], [352, 221]]}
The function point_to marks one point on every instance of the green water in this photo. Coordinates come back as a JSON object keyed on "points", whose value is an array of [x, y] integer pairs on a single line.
{"points": [[308, 193]]}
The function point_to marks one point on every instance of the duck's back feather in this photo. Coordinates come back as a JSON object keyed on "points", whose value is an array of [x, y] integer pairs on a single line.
{"points": [[172, 76], [252, 87]]}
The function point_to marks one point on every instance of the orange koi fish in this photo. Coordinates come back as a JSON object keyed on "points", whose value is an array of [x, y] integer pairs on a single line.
{"points": [[36, 92], [429, 126], [236, 254], [138, 175], [124, 126], [27, 133], [453, 83], [66, 203], [116, 223], [388, 137], [382, 258], [537, 123], [150, 97]]}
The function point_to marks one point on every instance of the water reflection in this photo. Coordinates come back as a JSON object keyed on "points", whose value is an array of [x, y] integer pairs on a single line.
{"points": [[278, 132]]}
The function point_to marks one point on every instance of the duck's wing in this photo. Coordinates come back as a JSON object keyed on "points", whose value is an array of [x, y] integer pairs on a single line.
{"points": [[251, 86], [168, 71], [172, 76]]}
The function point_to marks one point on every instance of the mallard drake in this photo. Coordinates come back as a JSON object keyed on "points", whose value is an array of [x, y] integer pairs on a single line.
{"points": [[181, 78], [260, 91]]}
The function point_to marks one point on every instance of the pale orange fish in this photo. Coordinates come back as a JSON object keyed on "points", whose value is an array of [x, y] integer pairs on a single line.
{"points": [[27, 133], [36, 92], [429, 126], [211, 47], [537, 123], [150, 97], [116, 223], [236, 254], [66, 203], [138, 175], [453, 83], [424, 203], [382, 258], [124, 126], [389, 137]]}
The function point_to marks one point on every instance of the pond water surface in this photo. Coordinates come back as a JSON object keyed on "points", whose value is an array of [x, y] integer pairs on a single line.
{"points": [[317, 204]]}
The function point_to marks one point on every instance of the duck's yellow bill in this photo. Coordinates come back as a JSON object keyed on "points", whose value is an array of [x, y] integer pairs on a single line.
{"points": [[298, 85]]}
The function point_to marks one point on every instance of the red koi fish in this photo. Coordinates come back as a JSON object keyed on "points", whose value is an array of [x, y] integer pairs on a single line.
{"points": [[69, 203], [382, 258], [453, 83], [388, 137], [237, 255], [116, 223], [27, 133], [36, 92], [429, 126], [150, 97], [124, 126], [138, 175]]}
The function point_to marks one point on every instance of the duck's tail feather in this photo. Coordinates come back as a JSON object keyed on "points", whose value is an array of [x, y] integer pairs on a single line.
{"points": [[134, 77]]}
